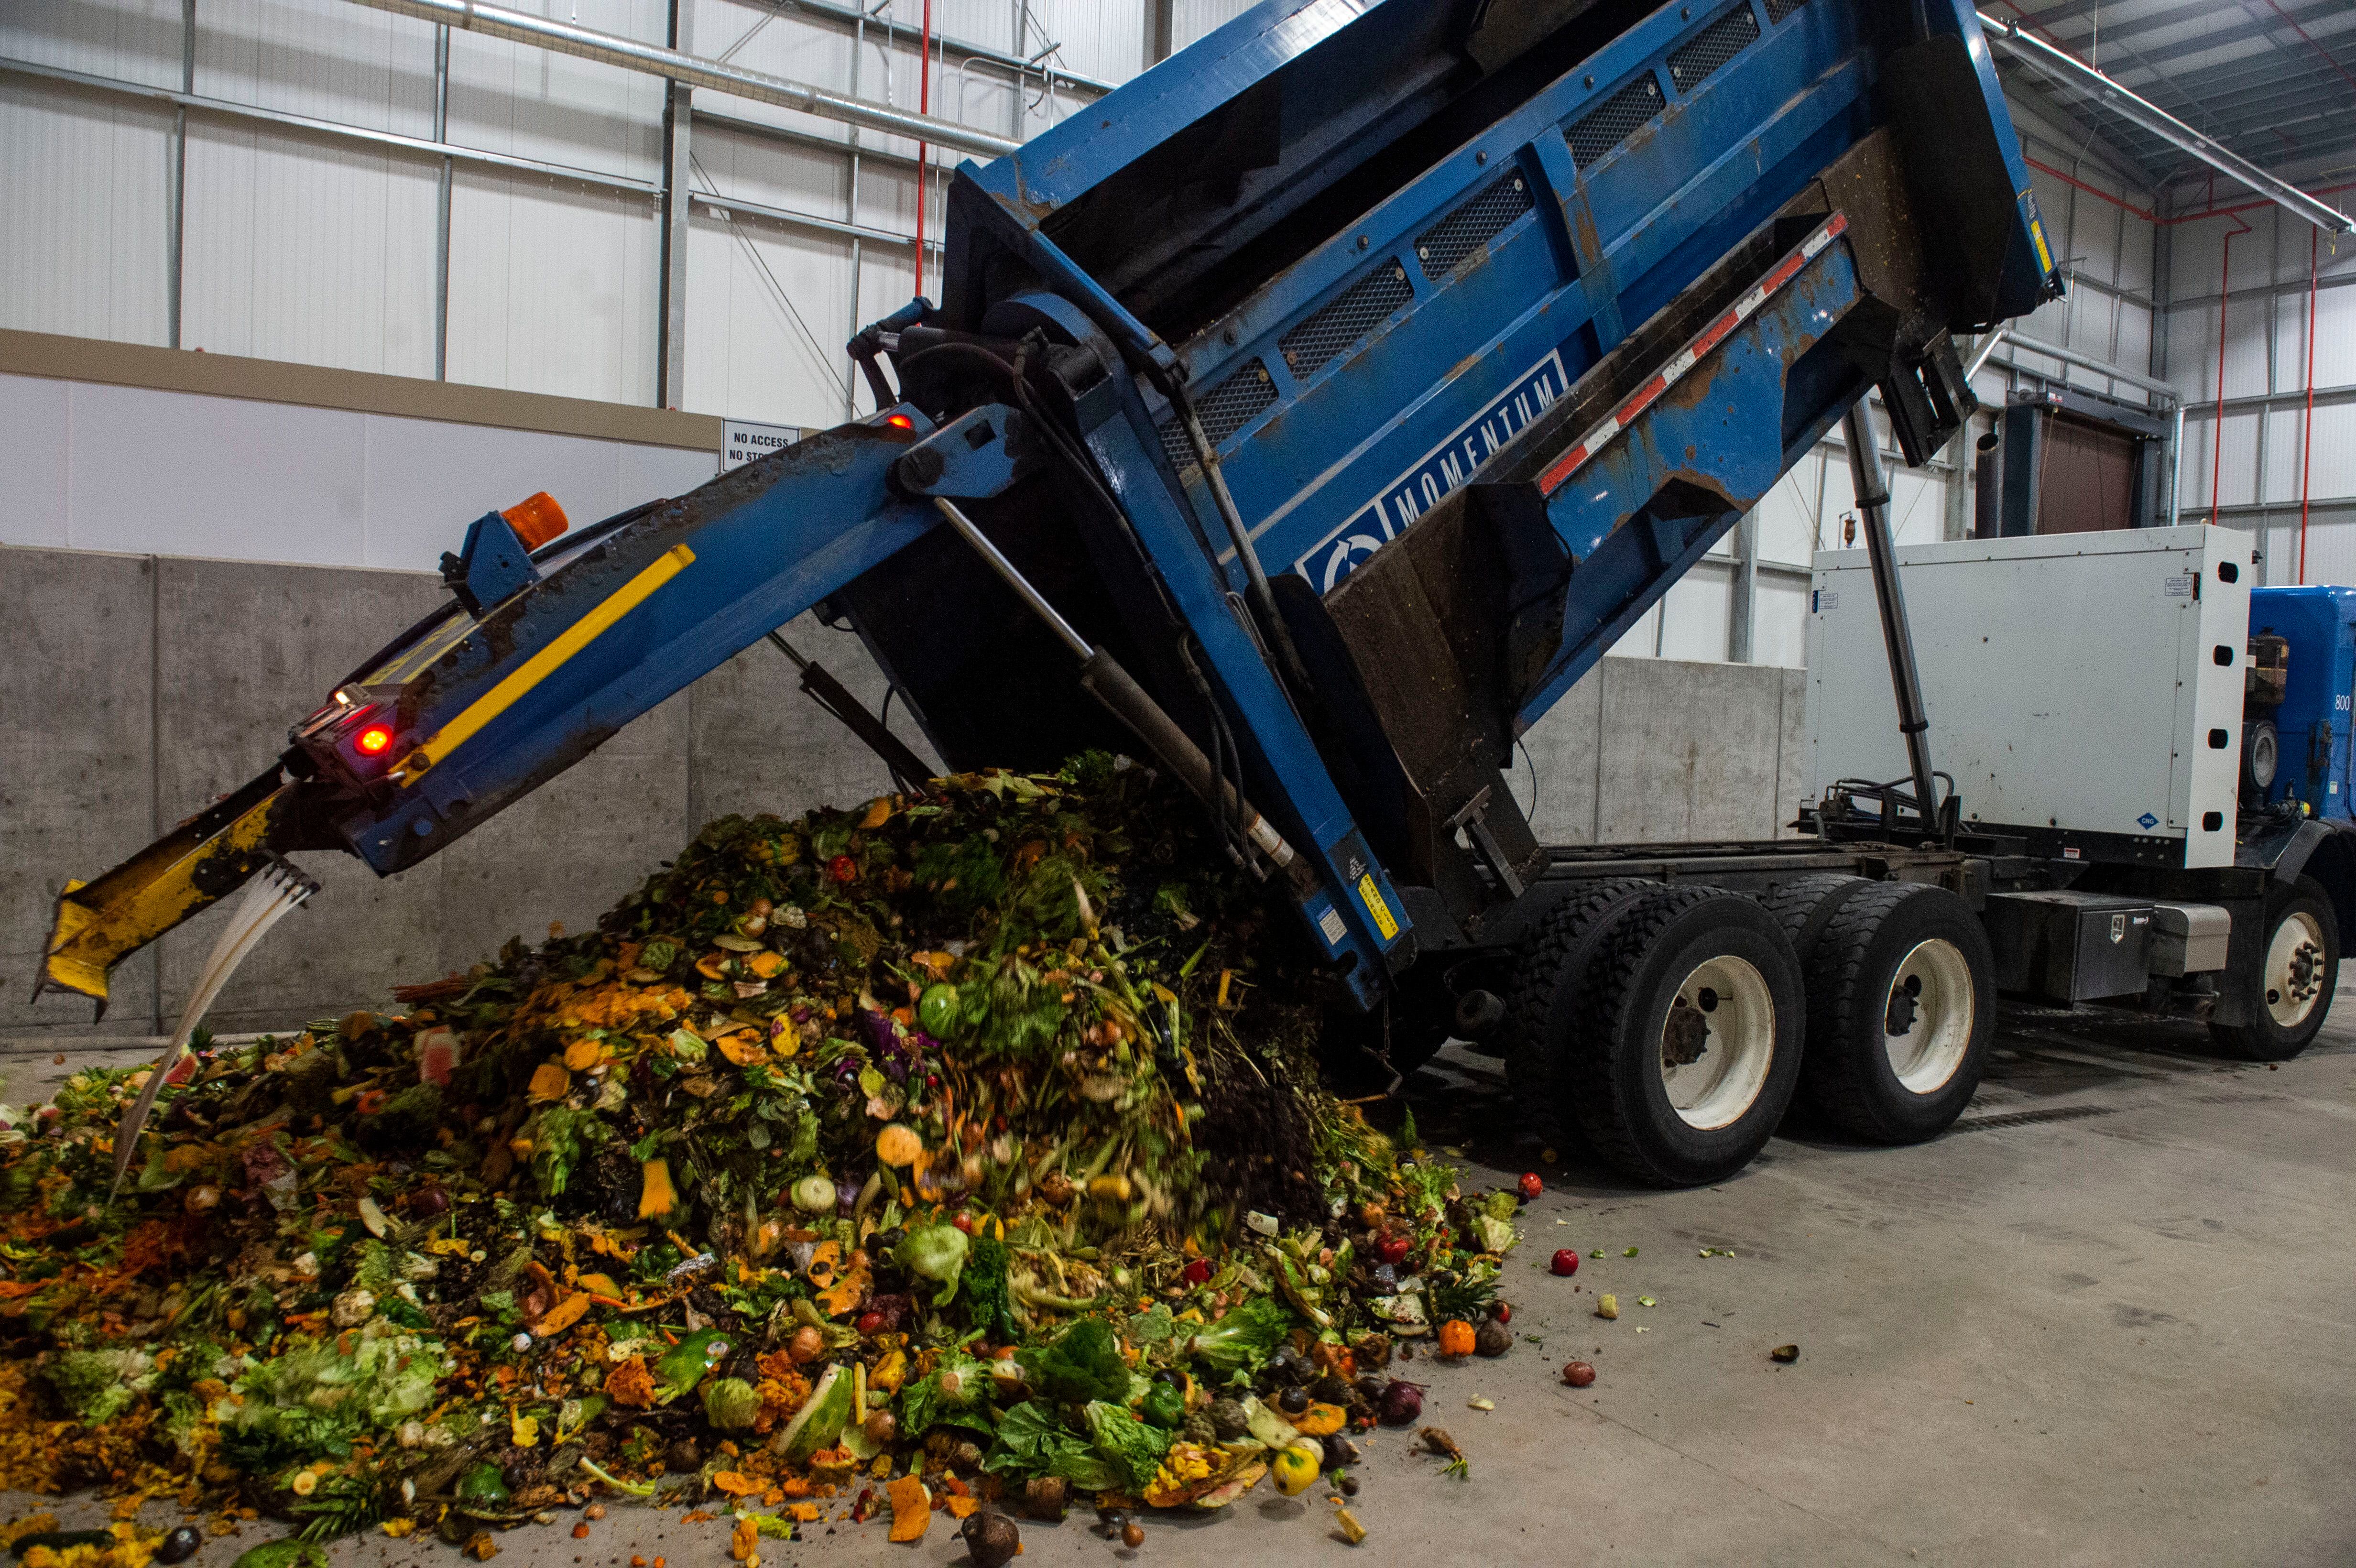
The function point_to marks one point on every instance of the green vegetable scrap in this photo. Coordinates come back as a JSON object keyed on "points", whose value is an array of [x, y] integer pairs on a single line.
{"points": [[976, 1132]]}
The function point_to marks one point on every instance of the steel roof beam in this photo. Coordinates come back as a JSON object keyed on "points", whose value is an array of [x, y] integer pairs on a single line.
{"points": [[2067, 70], [692, 70]]}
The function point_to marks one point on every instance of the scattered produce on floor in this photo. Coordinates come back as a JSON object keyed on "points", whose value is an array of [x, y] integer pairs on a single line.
{"points": [[959, 1154]]}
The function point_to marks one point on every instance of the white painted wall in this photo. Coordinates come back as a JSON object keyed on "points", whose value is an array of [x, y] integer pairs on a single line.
{"points": [[2251, 467], [302, 248], [86, 466]]}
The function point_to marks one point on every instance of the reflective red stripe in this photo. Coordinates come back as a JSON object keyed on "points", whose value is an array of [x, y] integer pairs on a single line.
{"points": [[1553, 477]]}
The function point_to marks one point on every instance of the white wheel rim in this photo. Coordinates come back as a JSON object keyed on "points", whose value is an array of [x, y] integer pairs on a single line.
{"points": [[2295, 969], [1717, 1042], [1927, 1015]]}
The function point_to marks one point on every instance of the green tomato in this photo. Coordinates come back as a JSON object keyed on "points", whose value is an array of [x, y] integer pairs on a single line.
{"points": [[936, 1010]]}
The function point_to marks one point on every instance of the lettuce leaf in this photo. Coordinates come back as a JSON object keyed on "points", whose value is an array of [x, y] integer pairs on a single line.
{"points": [[1129, 1445]]}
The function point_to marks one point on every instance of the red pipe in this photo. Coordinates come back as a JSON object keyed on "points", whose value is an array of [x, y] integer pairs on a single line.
{"points": [[2224, 304], [2212, 211], [2306, 440], [924, 156], [2076, 184]]}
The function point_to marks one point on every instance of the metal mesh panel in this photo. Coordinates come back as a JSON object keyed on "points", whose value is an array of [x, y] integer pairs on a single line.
{"points": [[1472, 226], [1713, 46], [1224, 409], [1310, 346], [1609, 124], [1779, 9], [1175, 446]]}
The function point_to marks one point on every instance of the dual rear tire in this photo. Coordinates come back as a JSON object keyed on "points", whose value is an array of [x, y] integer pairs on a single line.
{"points": [[1670, 1028]]}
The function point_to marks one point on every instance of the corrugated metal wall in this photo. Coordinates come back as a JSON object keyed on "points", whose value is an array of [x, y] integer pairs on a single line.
{"points": [[2248, 463], [306, 246], [300, 247]]}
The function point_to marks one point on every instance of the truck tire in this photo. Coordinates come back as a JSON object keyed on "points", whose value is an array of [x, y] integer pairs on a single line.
{"points": [[2296, 978], [1550, 997], [1689, 1052], [1803, 905], [1901, 1010]]}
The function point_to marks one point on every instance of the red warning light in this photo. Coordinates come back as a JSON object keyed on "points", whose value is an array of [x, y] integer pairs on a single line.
{"points": [[374, 739], [899, 421]]}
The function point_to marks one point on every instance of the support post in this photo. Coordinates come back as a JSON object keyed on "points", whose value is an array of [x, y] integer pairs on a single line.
{"points": [[442, 207], [1743, 608], [1956, 522], [1872, 489], [677, 197], [1161, 31], [177, 175], [850, 215]]}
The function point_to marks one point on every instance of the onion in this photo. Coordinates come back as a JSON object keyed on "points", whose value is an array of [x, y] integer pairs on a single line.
{"points": [[1401, 1404]]}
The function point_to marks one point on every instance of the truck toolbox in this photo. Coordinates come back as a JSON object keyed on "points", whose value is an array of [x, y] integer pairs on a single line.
{"points": [[2071, 947]]}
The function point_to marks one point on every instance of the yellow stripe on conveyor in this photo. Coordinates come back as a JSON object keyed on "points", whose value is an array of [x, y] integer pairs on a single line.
{"points": [[543, 663]]}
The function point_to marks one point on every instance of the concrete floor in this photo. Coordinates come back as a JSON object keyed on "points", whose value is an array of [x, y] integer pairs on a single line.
{"points": [[2109, 1319]]}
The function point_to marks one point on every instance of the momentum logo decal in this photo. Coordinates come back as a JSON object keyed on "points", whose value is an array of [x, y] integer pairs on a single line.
{"points": [[1440, 470]]}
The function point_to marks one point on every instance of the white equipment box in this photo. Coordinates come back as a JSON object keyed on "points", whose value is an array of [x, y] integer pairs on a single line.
{"points": [[2084, 690]]}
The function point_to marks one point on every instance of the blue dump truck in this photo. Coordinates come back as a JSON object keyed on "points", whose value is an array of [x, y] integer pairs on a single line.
{"points": [[1310, 414]]}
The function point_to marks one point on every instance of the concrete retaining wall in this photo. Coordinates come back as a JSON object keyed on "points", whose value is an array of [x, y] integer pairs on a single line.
{"points": [[134, 689]]}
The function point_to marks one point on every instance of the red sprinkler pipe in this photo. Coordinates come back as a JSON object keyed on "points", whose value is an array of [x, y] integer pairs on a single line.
{"points": [[2224, 304], [2307, 438], [924, 154]]}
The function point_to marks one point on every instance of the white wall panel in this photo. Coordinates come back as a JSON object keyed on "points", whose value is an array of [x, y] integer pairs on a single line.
{"points": [[1779, 622], [138, 40], [425, 480], [306, 249], [1190, 19], [1787, 517], [84, 222], [338, 62], [2246, 348], [553, 287], [103, 467], [33, 488], [2335, 454], [515, 97], [175, 474], [2335, 337], [768, 316]]}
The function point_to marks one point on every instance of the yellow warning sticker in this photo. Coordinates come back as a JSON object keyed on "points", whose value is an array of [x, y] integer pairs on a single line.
{"points": [[2044, 256], [1372, 898]]}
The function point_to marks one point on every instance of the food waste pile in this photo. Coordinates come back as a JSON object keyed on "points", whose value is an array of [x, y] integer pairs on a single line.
{"points": [[961, 1156]]}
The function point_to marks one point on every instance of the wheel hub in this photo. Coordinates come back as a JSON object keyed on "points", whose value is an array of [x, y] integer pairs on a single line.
{"points": [[1905, 1001], [1686, 1036], [1927, 1022], [2295, 970], [1717, 1040]]}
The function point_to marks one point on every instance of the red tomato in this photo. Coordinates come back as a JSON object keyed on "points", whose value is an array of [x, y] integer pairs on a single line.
{"points": [[1566, 1262], [842, 868], [869, 1322], [963, 1221], [1531, 1185], [1391, 1249], [1197, 1272], [1503, 1312]]}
